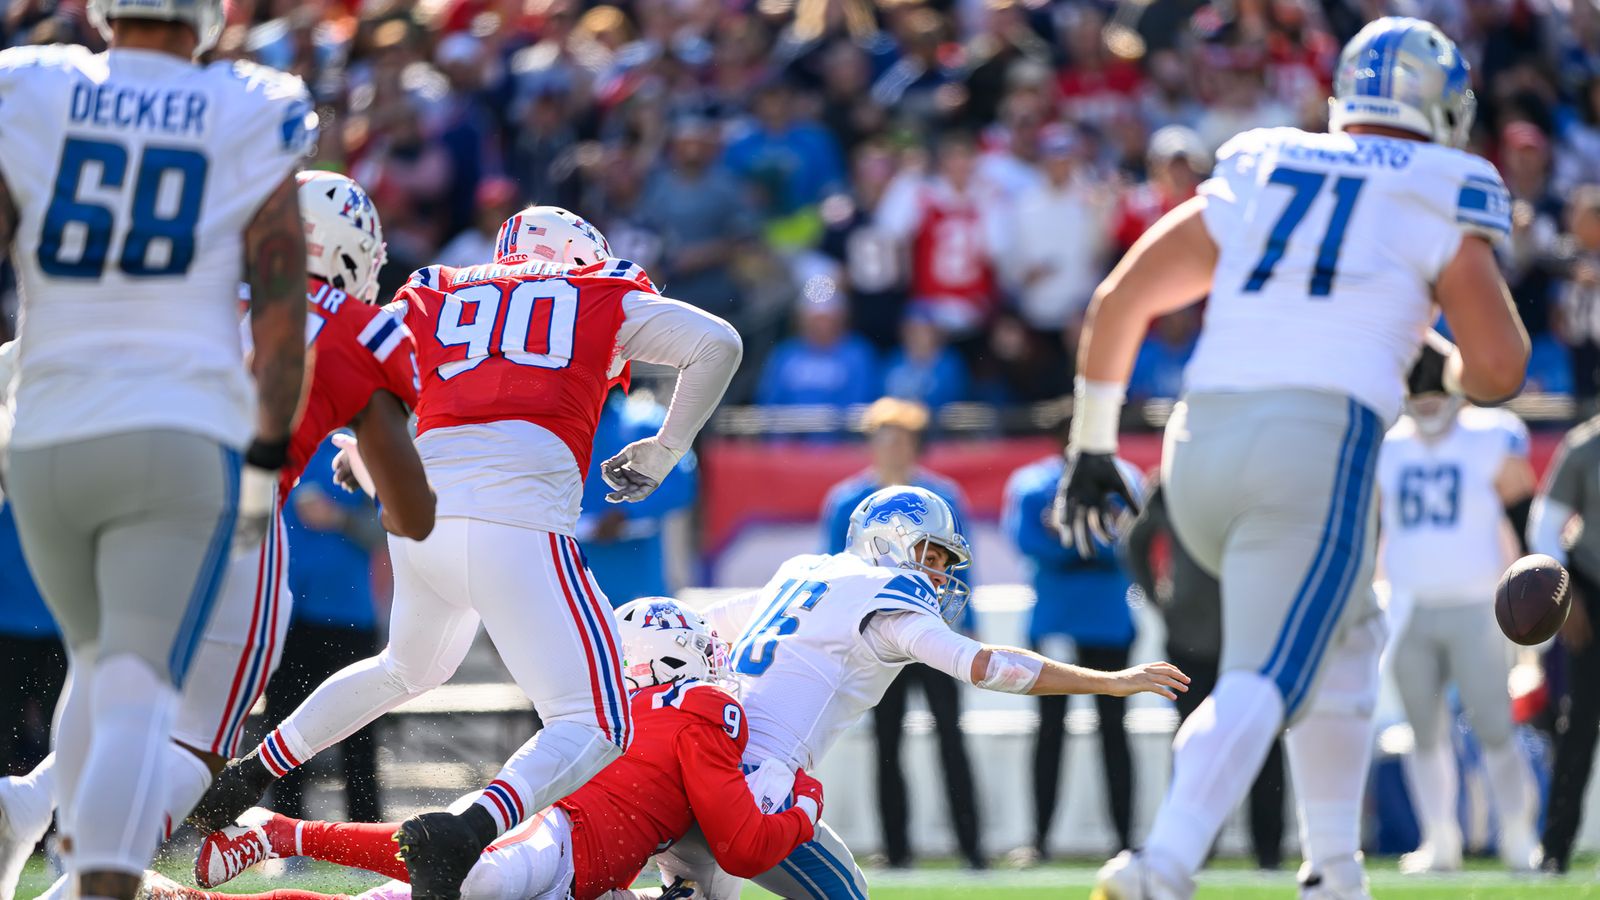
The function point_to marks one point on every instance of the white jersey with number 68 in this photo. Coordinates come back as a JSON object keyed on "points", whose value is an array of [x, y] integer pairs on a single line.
{"points": [[805, 672], [1328, 249], [134, 175]]}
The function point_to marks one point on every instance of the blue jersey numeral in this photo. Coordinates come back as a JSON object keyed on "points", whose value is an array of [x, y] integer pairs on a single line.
{"points": [[150, 225], [756, 650], [1306, 185], [1430, 495]]}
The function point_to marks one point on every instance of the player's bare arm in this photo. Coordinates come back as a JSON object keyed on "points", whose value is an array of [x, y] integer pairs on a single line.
{"points": [[275, 267], [1012, 666], [396, 470], [1491, 343]]}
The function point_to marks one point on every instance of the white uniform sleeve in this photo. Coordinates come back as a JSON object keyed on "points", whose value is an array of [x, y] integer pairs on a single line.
{"points": [[703, 348], [1459, 195], [729, 618], [923, 638], [1232, 184], [30, 145], [268, 127]]}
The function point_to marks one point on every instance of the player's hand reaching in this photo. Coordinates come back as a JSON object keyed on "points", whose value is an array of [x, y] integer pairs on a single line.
{"points": [[638, 470], [1084, 508], [349, 471], [808, 795], [1162, 678]]}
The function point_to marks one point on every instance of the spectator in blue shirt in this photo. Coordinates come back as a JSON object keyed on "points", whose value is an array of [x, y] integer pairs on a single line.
{"points": [[789, 163], [896, 429], [1085, 602], [623, 541], [825, 363], [33, 665], [1158, 369], [332, 535], [924, 368]]}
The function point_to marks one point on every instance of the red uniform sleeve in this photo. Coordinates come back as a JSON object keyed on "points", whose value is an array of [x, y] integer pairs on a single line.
{"points": [[744, 842]]}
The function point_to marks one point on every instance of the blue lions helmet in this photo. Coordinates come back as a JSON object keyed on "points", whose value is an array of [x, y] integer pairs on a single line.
{"points": [[893, 527], [1404, 73]]}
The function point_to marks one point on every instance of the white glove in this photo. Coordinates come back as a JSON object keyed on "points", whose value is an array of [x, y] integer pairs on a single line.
{"points": [[258, 492], [770, 784], [349, 456], [638, 470]]}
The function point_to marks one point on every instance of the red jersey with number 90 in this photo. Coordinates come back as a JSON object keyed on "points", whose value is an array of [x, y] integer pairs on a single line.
{"points": [[353, 350], [535, 342]]}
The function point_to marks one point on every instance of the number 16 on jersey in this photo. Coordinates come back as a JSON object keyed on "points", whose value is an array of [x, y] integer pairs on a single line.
{"points": [[757, 648]]}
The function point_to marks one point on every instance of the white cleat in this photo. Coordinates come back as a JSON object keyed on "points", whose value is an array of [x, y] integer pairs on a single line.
{"points": [[1519, 848], [1342, 880], [1129, 876], [226, 853], [1432, 857], [24, 818], [157, 886]]}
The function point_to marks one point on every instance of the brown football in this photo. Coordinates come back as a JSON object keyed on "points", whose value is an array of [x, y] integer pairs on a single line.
{"points": [[1532, 600]]}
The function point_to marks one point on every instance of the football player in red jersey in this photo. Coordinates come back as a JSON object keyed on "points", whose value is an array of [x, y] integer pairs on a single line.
{"points": [[516, 357], [361, 372], [683, 766]]}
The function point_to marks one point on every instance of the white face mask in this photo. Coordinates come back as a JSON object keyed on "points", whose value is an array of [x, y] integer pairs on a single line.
{"points": [[1434, 413]]}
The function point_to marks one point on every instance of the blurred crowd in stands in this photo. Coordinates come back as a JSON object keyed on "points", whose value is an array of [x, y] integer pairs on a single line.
{"points": [[903, 197]]}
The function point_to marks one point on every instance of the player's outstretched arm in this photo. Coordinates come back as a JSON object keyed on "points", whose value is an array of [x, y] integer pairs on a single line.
{"points": [[706, 352], [1017, 671], [395, 468], [1491, 358], [275, 267]]}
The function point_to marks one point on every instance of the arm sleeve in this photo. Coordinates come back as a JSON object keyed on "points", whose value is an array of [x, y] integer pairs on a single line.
{"points": [[923, 638], [744, 842], [705, 350]]}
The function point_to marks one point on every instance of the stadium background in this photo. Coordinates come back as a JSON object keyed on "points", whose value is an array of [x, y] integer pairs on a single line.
{"points": [[742, 152]]}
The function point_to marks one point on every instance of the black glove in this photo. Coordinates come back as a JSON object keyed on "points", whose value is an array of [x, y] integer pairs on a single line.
{"points": [[1084, 506]]}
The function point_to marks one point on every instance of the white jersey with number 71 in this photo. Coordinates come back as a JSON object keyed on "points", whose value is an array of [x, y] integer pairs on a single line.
{"points": [[1328, 249]]}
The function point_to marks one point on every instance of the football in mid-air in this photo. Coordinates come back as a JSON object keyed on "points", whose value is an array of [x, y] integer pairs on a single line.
{"points": [[1532, 600]]}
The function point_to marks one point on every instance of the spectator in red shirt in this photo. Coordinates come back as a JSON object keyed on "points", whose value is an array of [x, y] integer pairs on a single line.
{"points": [[1176, 164]]}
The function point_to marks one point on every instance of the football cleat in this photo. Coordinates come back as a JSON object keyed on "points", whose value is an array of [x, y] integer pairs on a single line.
{"points": [[24, 818], [238, 787], [1129, 876], [439, 849], [1432, 857], [157, 886], [226, 853], [1345, 879]]}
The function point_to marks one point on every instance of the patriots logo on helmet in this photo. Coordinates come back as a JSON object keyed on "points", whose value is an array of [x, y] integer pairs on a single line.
{"points": [[664, 616], [909, 505]]}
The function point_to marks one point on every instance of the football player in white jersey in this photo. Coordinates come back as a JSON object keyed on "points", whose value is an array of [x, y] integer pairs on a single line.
{"points": [[137, 189], [1324, 256], [817, 647], [1449, 479]]}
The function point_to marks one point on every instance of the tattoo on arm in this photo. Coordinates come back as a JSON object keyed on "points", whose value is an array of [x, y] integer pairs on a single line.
{"points": [[275, 266]]}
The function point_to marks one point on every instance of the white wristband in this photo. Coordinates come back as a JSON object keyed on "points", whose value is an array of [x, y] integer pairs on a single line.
{"points": [[809, 806], [1096, 413], [1453, 365]]}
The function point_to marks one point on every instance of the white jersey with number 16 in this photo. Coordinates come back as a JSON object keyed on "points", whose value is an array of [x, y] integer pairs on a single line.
{"points": [[1328, 249]]}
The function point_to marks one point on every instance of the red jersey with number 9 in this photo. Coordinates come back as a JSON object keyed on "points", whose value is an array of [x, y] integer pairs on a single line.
{"points": [[682, 766], [535, 342], [353, 350]]}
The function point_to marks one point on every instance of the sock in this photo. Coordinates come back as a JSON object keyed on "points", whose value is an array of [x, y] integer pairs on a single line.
{"points": [[123, 790], [1329, 752], [70, 736], [187, 779], [361, 845], [1216, 756], [32, 797], [1431, 771], [1510, 784], [348, 701], [560, 758]]}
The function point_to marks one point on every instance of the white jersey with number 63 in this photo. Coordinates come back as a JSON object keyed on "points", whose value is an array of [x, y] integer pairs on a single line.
{"points": [[805, 673], [1328, 249]]}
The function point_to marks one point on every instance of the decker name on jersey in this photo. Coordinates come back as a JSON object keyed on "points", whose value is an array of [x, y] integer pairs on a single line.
{"points": [[135, 175]]}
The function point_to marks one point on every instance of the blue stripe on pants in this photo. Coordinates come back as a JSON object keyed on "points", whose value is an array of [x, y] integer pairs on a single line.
{"points": [[209, 578], [1322, 596], [814, 869]]}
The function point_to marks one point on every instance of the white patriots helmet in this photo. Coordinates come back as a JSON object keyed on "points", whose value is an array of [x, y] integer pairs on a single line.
{"points": [[664, 641], [550, 234], [344, 239], [887, 527], [204, 16], [1404, 73]]}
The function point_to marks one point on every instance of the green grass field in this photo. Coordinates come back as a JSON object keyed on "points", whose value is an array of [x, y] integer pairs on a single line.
{"points": [[1482, 881]]}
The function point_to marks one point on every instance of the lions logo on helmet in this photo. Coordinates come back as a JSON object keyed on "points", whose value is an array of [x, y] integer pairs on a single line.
{"points": [[1404, 73], [664, 641], [894, 526]]}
